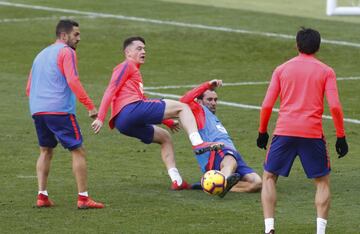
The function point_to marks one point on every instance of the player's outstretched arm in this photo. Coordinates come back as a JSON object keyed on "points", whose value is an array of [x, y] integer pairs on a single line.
{"points": [[195, 92]]}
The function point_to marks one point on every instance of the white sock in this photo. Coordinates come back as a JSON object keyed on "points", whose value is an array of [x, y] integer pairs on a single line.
{"points": [[175, 175], [44, 193], [320, 225], [269, 224], [85, 194], [195, 138]]}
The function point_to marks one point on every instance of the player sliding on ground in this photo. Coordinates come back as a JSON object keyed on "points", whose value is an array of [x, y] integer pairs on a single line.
{"points": [[240, 178], [135, 115]]}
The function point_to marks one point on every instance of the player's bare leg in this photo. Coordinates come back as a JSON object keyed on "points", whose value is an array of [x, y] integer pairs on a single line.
{"points": [[162, 137], [80, 172], [43, 167], [228, 166], [181, 110], [268, 194], [250, 183], [176, 109], [322, 202], [42, 170], [268, 199], [79, 168], [322, 196]]}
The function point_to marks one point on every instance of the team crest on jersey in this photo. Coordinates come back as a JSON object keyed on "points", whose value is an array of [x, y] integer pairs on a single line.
{"points": [[221, 128]]}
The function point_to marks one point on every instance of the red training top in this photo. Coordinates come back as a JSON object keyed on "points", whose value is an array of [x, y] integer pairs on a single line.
{"points": [[301, 83]]}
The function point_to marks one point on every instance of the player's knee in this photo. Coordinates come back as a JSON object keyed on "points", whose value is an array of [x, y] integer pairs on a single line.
{"points": [[269, 176], [255, 181], [257, 184], [46, 152], [181, 106], [166, 135], [162, 136], [184, 106]]}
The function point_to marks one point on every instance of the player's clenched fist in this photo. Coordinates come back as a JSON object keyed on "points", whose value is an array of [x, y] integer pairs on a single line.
{"points": [[215, 83]]}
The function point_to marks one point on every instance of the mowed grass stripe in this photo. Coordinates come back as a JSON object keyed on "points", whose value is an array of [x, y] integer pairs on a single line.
{"points": [[173, 23]]}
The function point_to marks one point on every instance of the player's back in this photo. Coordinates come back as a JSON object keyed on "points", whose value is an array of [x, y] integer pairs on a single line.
{"points": [[302, 81]]}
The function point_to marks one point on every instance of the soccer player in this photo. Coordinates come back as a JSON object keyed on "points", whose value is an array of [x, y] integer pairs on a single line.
{"points": [[135, 115], [301, 83], [52, 88], [240, 177]]}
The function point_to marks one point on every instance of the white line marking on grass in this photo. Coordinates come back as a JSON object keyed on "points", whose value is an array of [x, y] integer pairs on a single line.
{"points": [[244, 106], [26, 176], [173, 23], [233, 84], [349, 78], [12, 20], [192, 86]]}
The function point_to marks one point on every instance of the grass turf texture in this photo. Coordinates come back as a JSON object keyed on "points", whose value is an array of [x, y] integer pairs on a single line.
{"points": [[128, 175]]}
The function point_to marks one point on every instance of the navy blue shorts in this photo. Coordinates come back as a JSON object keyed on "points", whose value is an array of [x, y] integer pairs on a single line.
{"points": [[137, 119], [53, 128], [206, 162], [311, 151]]}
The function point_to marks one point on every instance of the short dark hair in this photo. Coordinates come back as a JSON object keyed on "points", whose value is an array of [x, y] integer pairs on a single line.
{"points": [[308, 40], [129, 40], [201, 96], [65, 25]]}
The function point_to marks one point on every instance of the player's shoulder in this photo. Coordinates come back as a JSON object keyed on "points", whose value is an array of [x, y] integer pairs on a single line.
{"points": [[66, 51], [121, 66], [326, 68], [280, 67], [125, 65]]}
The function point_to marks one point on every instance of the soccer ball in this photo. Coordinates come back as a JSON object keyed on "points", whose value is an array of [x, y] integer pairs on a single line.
{"points": [[213, 182]]}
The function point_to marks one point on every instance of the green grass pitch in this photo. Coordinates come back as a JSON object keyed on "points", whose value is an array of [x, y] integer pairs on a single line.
{"points": [[129, 176]]}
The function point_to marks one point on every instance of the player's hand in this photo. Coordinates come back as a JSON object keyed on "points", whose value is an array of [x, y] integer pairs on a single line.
{"points": [[175, 127], [93, 113], [341, 146], [215, 83], [262, 140], [96, 125]]}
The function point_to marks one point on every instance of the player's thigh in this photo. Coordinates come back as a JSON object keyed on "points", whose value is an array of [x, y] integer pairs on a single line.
{"points": [[150, 111], [66, 129], [228, 161], [241, 167], [143, 132], [173, 108], [46, 138], [281, 155], [314, 157]]}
